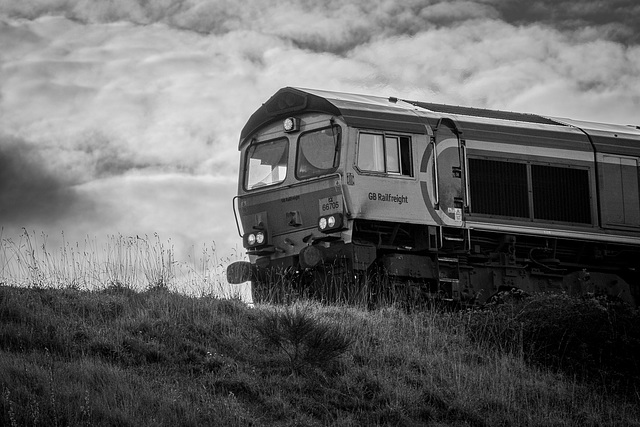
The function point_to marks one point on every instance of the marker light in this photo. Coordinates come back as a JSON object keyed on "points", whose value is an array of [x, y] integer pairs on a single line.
{"points": [[291, 124]]}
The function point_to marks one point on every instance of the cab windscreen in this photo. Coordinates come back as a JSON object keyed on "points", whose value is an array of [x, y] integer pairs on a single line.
{"points": [[266, 163], [318, 152]]}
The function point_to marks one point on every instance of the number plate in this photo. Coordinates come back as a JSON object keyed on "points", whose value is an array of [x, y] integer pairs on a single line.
{"points": [[330, 205]]}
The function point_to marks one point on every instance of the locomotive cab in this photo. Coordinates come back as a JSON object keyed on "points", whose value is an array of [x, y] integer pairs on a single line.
{"points": [[322, 186]]}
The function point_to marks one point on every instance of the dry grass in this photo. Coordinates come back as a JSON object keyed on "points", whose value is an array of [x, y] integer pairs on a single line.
{"points": [[123, 357], [592, 338], [135, 262]]}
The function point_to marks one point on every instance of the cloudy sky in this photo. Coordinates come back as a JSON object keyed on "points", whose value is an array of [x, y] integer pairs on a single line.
{"points": [[123, 116]]}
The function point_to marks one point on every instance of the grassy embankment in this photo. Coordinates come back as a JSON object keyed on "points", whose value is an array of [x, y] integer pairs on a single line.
{"points": [[113, 355]]}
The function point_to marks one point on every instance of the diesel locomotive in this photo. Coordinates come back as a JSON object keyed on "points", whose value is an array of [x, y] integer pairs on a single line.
{"points": [[451, 202]]}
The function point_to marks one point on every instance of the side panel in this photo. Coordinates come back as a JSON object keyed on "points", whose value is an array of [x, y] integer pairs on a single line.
{"points": [[620, 201], [520, 184], [386, 196]]}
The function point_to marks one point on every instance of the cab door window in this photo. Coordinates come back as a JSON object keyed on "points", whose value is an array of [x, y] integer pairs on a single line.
{"points": [[391, 148], [371, 152]]}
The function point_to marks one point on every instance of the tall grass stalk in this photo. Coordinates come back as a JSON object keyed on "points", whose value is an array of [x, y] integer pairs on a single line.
{"points": [[135, 262]]}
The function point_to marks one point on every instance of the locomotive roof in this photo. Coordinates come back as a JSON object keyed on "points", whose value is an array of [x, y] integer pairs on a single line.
{"points": [[411, 116]]}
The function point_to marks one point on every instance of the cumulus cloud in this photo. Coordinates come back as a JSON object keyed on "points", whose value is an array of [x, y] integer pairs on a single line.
{"points": [[109, 128], [493, 64], [616, 19], [191, 210], [30, 190], [124, 96], [336, 24]]}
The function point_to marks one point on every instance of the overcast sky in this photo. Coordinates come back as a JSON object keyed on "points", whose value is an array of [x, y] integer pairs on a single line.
{"points": [[123, 116]]}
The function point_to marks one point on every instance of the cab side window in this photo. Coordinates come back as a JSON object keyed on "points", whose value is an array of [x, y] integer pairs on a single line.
{"points": [[384, 153]]}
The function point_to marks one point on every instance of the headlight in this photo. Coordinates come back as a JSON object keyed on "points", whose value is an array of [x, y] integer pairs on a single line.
{"points": [[330, 223], [255, 239], [251, 239]]}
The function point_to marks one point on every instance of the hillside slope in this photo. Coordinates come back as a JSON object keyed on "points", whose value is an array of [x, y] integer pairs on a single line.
{"points": [[125, 358]]}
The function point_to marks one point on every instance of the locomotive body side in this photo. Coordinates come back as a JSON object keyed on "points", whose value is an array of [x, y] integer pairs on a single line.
{"points": [[534, 212], [452, 202]]}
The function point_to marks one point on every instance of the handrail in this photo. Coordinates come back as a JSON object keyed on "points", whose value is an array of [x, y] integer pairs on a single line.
{"points": [[467, 192], [436, 191], [235, 215]]}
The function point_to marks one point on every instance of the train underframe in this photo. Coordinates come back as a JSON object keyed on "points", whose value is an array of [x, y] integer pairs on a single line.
{"points": [[408, 263]]}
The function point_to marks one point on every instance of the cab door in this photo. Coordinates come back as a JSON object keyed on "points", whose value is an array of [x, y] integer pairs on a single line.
{"points": [[451, 173]]}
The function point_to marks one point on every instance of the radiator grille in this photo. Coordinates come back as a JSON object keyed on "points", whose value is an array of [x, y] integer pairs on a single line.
{"points": [[503, 188], [499, 188], [561, 194]]}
